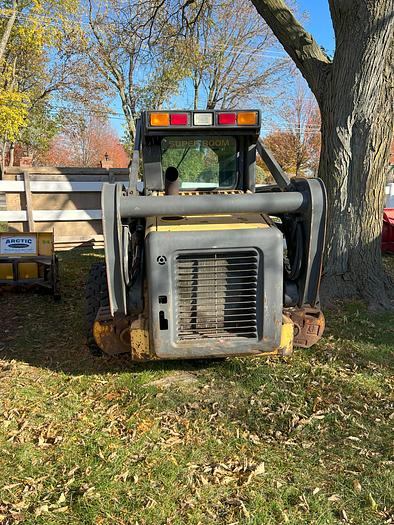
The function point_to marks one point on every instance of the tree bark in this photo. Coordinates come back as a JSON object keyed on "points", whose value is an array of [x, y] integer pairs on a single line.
{"points": [[355, 97], [196, 87], [8, 28], [12, 155], [2, 164], [357, 124]]}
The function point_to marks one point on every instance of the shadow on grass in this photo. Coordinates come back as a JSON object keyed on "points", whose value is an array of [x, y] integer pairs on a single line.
{"points": [[42, 333]]}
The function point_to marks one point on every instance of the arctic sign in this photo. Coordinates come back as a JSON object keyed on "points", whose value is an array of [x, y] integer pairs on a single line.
{"points": [[12, 244]]}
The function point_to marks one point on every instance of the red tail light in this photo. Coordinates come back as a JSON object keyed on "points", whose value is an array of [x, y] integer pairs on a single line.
{"points": [[179, 119], [227, 118]]}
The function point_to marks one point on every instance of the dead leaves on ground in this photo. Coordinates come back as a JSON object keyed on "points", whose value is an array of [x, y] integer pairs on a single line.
{"points": [[237, 472]]}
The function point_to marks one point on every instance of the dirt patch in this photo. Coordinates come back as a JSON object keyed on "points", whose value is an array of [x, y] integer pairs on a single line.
{"points": [[175, 380]]}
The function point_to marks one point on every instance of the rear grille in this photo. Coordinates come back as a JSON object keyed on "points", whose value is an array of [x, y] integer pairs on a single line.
{"points": [[216, 295]]}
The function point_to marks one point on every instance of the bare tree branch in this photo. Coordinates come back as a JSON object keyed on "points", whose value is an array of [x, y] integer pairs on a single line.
{"points": [[298, 43]]}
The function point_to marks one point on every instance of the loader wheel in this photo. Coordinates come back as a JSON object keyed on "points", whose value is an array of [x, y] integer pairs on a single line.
{"points": [[96, 297]]}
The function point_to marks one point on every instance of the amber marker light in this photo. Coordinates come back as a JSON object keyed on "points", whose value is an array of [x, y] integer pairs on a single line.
{"points": [[160, 119], [247, 118]]}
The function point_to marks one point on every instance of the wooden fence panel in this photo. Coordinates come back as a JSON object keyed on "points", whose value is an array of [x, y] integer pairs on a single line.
{"points": [[66, 200]]}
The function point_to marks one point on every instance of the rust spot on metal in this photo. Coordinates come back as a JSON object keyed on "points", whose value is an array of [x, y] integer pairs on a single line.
{"points": [[309, 325], [139, 339], [107, 339]]}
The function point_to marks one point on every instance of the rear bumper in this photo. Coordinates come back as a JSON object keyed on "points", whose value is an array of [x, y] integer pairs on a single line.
{"points": [[123, 336]]}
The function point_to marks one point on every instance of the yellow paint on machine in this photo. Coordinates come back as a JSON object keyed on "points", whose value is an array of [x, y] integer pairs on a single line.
{"points": [[25, 271], [286, 336], [205, 223], [108, 338]]}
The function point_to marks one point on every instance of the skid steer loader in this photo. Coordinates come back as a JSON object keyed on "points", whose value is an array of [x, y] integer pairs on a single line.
{"points": [[199, 262]]}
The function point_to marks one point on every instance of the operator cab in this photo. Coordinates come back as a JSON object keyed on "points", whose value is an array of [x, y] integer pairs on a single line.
{"points": [[210, 150]]}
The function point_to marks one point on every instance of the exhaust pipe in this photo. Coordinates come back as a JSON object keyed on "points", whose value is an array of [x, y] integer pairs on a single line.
{"points": [[171, 186]]}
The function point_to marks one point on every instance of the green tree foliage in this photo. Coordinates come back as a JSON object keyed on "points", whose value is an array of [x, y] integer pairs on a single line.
{"points": [[139, 62], [13, 113], [37, 60], [42, 127]]}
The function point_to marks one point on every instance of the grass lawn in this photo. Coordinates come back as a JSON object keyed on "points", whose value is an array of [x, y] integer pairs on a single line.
{"points": [[88, 440]]}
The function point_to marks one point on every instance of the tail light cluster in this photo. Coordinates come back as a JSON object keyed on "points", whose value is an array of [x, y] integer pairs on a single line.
{"points": [[164, 119]]}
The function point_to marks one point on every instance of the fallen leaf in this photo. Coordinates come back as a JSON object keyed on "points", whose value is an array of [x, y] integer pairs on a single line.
{"points": [[61, 499], [61, 509], [260, 469], [245, 510], [372, 502], [357, 486], [41, 510]]}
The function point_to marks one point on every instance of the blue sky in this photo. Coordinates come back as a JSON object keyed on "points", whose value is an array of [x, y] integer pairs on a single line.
{"points": [[318, 23]]}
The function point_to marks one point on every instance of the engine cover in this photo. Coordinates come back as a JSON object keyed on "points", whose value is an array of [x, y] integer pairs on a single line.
{"points": [[215, 286]]}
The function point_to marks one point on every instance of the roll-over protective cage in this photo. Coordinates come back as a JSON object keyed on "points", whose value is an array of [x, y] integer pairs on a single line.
{"points": [[299, 203]]}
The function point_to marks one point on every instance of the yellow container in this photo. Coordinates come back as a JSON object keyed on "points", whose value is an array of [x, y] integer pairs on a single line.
{"points": [[41, 244], [45, 243], [16, 245], [27, 271], [6, 272]]}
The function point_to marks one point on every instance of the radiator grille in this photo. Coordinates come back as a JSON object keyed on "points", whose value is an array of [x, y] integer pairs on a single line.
{"points": [[216, 295]]}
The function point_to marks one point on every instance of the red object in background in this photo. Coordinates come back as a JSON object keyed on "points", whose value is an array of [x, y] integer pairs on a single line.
{"points": [[388, 230], [227, 118]]}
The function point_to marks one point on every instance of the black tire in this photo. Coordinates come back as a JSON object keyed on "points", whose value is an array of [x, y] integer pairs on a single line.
{"points": [[96, 297]]}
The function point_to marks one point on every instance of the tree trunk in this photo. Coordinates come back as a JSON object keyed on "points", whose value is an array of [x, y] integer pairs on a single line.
{"points": [[354, 93], [129, 113], [357, 122], [3, 154], [12, 155], [195, 101], [8, 28]]}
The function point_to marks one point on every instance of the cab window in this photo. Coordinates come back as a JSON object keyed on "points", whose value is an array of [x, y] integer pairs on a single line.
{"points": [[202, 162]]}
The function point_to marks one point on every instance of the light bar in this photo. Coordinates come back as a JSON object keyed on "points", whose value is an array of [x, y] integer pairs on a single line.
{"points": [[247, 118], [159, 119], [203, 119], [190, 119]]}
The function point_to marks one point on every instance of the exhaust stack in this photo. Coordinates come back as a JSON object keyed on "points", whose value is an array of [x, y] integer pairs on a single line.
{"points": [[171, 186]]}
